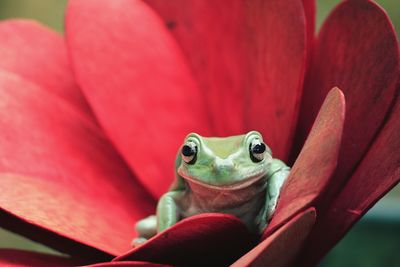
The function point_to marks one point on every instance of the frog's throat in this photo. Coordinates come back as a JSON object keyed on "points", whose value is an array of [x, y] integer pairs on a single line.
{"points": [[244, 183]]}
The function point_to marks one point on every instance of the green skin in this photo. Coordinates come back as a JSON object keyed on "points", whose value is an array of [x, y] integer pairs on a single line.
{"points": [[223, 179]]}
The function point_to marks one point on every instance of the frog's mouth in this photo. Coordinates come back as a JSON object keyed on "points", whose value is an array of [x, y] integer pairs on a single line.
{"points": [[243, 183]]}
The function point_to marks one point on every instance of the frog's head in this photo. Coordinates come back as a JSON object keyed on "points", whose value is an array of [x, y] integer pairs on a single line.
{"points": [[229, 161]]}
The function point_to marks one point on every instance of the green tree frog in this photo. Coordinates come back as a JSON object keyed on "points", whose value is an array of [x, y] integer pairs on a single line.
{"points": [[234, 175]]}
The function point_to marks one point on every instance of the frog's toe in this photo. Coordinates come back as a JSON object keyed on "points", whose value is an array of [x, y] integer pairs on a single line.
{"points": [[138, 241], [147, 227]]}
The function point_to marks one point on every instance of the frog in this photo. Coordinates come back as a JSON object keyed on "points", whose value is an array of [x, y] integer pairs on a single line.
{"points": [[234, 175]]}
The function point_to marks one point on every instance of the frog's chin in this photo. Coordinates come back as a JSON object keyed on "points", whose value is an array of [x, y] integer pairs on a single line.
{"points": [[243, 183]]}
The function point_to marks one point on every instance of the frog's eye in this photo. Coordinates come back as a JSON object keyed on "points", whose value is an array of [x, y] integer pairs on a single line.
{"points": [[257, 150], [189, 152]]}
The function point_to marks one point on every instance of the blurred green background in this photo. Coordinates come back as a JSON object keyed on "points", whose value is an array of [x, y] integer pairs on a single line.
{"points": [[374, 241]]}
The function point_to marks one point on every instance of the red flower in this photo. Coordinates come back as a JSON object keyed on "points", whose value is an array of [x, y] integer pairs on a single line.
{"points": [[152, 72]]}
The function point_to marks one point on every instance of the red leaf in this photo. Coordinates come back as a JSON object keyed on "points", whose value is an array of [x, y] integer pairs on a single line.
{"points": [[249, 59], [316, 162], [137, 82], [202, 240], [65, 176], [357, 50], [14, 257], [39, 55], [281, 248], [377, 174]]}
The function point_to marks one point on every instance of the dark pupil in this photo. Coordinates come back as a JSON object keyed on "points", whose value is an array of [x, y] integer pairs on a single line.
{"points": [[188, 151], [259, 148]]}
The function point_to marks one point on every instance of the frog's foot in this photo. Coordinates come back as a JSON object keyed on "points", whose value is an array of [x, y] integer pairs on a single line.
{"points": [[146, 229]]}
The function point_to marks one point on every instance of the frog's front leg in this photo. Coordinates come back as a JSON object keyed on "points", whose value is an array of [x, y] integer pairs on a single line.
{"points": [[168, 211], [277, 177], [167, 215]]}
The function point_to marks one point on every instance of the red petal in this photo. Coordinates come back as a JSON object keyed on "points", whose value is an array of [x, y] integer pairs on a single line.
{"points": [[70, 180], [357, 50], [248, 57], [128, 263], [281, 248], [310, 10], [202, 240], [316, 162], [13, 257], [378, 173], [137, 82], [39, 55]]}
